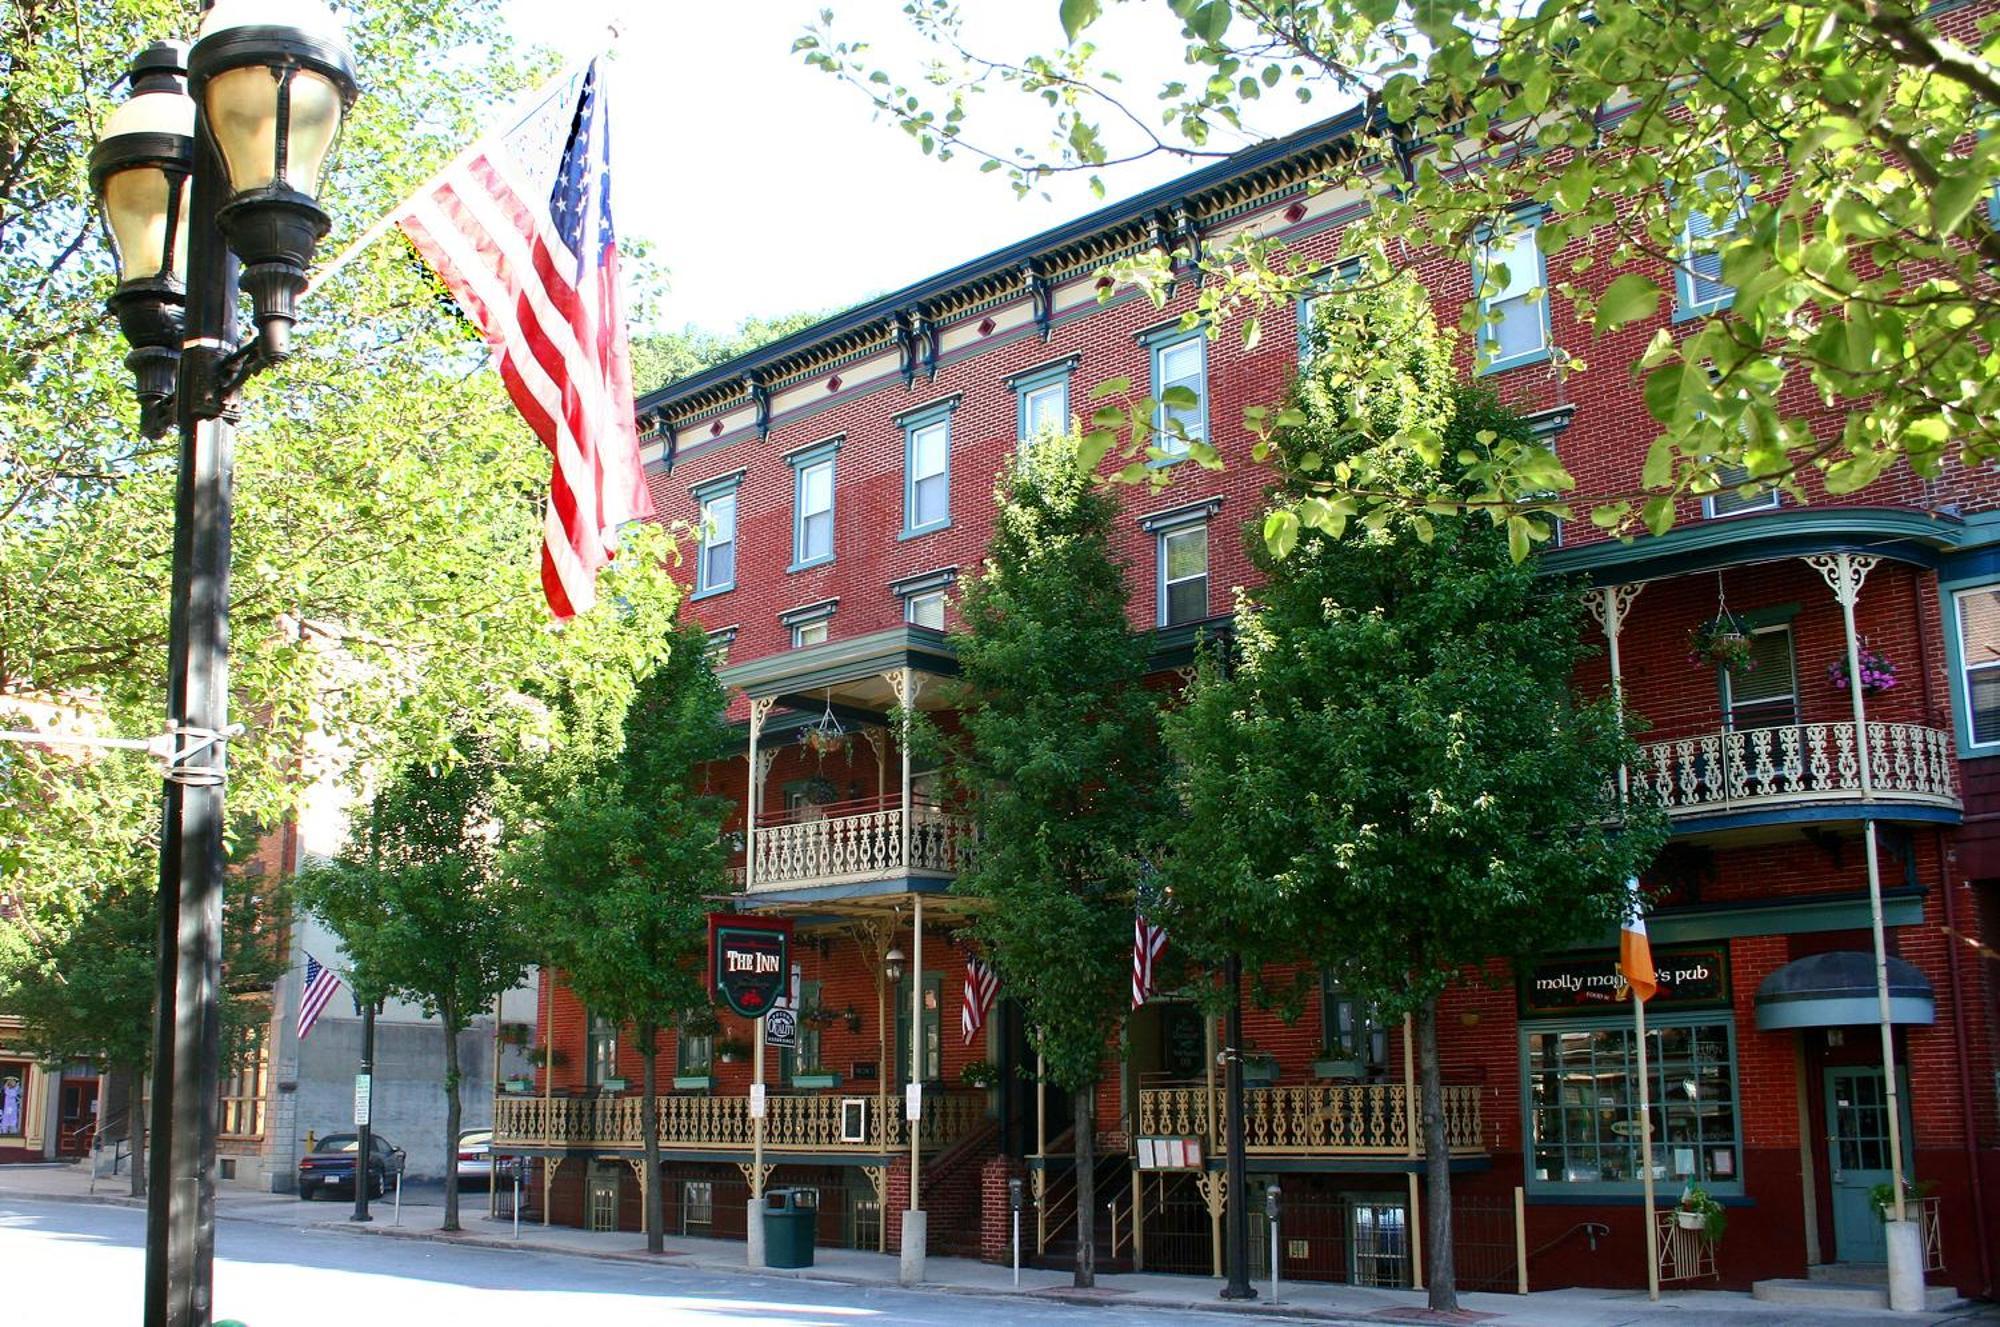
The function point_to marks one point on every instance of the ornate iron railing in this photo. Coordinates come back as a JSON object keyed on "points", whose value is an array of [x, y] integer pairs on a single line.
{"points": [[839, 848], [1313, 1119], [1797, 763], [792, 1123]]}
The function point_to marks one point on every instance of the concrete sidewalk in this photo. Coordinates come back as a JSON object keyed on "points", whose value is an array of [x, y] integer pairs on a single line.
{"points": [[1182, 1294]]}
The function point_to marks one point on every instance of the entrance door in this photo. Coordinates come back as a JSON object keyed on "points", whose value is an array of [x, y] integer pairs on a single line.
{"points": [[1857, 1129], [79, 1117]]}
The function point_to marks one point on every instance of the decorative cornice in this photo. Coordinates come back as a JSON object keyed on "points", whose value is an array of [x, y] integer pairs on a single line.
{"points": [[817, 611], [923, 582], [1046, 369], [813, 451], [943, 405], [1185, 514], [725, 483]]}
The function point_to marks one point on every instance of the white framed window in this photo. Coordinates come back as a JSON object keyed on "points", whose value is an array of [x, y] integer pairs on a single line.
{"points": [[927, 471], [1044, 410], [812, 525], [715, 569], [1978, 612], [1729, 500], [1513, 306], [1764, 693], [925, 610], [809, 633], [1183, 575], [1714, 213], [1181, 363]]}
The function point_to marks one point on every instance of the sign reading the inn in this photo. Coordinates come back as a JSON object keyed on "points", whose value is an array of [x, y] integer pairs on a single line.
{"points": [[749, 961], [1577, 983]]}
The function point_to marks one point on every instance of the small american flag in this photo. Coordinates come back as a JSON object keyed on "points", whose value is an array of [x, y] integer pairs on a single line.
{"points": [[1148, 943], [982, 988], [321, 983], [520, 231]]}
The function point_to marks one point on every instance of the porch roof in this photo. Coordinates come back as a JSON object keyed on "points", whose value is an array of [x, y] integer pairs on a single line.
{"points": [[1891, 532]]}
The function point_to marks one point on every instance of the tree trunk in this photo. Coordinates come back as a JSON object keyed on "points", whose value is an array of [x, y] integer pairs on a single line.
{"points": [[649, 1110], [135, 1129], [449, 1016], [1442, 1275], [1086, 1187]]}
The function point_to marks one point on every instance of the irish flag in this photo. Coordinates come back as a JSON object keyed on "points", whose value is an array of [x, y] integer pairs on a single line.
{"points": [[1635, 952]]}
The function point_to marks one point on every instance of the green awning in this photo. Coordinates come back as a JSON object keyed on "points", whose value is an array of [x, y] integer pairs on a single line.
{"points": [[1838, 990]]}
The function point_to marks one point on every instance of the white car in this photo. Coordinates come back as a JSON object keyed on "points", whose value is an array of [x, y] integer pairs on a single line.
{"points": [[475, 1155]]}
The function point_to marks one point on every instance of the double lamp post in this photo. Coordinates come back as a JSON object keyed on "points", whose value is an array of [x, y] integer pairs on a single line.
{"points": [[209, 175]]}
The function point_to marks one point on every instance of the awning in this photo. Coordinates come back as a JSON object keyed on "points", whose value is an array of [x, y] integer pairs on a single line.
{"points": [[1838, 990]]}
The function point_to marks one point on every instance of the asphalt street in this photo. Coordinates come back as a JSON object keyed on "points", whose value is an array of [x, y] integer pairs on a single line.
{"points": [[85, 1262]]}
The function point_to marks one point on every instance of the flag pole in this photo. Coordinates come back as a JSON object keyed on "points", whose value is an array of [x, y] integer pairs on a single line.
{"points": [[1646, 1150]]}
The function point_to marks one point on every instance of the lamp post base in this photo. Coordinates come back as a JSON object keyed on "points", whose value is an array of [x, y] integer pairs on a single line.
{"points": [[1906, 1265], [916, 1238], [753, 1233]]}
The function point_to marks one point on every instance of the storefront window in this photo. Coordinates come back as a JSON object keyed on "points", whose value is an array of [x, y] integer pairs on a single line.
{"points": [[13, 1096], [1583, 1092]]}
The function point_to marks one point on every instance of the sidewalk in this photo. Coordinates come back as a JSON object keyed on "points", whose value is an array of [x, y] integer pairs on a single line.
{"points": [[1183, 1294]]}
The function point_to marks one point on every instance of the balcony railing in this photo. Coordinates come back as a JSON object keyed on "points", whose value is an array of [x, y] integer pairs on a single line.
{"points": [[836, 845], [792, 1123], [1805, 762], [1313, 1119]]}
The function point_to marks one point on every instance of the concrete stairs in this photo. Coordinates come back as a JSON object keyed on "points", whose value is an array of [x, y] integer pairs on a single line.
{"points": [[1845, 1286]]}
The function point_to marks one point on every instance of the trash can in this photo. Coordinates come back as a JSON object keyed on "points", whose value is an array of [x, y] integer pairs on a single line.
{"points": [[789, 1215]]}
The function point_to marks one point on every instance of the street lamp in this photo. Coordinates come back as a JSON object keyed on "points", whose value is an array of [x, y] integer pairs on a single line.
{"points": [[218, 155], [892, 964]]}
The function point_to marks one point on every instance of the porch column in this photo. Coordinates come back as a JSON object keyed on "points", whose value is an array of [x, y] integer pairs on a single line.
{"points": [[760, 710], [1844, 574], [1609, 606]]}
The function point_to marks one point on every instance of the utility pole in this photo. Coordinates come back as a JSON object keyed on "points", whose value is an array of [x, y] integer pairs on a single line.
{"points": [[364, 1110], [1239, 1286]]}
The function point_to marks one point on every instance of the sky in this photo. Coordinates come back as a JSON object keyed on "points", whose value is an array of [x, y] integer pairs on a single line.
{"points": [[765, 187]]}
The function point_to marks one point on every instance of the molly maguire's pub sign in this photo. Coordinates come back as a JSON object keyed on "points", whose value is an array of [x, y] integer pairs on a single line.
{"points": [[1576, 983], [749, 961]]}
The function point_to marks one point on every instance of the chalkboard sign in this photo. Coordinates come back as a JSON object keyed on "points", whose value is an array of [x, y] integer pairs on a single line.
{"points": [[1183, 1041]]}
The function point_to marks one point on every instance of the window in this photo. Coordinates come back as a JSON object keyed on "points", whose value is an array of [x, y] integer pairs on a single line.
{"points": [[245, 1070], [697, 1205], [809, 633], [1350, 1033], [925, 610], [1979, 657], [1514, 313], [694, 1053], [1583, 1092], [1181, 364], [1309, 311], [927, 467], [812, 530], [1730, 502], [1713, 215], [1044, 409], [933, 1002], [716, 568], [601, 1055], [1183, 575], [1765, 693], [809, 1028]]}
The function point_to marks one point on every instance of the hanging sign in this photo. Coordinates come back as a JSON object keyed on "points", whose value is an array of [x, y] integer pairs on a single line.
{"points": [[781, 1028], [1578, 983], [749, 961]]}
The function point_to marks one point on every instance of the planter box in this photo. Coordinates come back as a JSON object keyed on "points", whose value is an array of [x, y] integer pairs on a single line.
{"points": [[1260, 1071], [1687, 1220], [1337, 1069], [518, 1085], [815, 1080], [613, 1085], [693, 1082]]}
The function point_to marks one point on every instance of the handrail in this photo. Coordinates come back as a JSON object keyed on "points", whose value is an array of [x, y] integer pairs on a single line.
{"points": [[1798, 762]]}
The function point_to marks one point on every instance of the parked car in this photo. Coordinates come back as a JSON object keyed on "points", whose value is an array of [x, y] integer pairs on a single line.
{"points": [[475, 1155], [330, 1165]]}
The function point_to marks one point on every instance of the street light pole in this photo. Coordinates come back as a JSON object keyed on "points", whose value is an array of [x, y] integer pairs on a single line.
{"points": [[217, 157], [364, 1132], [1235, 1169]]}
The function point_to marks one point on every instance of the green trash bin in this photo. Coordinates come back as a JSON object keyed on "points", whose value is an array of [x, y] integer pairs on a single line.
{"points": [[789, 1215]]}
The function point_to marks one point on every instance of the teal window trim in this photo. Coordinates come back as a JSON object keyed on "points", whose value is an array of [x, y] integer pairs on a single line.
{"points": [[705, 495], [1585, 1189], [1162, 588], [803, 462], [1323, 285], [1688, 305], [1030, 382], [1159, 348], [1527, 226], [913, 424], [1949, 593]]}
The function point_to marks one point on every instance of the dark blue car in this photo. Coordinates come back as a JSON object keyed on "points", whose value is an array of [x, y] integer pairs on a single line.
{"points": [[330, 1165]]}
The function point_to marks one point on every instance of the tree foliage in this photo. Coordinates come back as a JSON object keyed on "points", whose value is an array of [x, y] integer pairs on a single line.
{"points": [[1059, 765], [1394, 783], [1836, 159], [619, 866]]}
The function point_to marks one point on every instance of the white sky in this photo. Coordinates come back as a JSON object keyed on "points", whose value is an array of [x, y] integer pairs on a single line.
{"points": [[765, 187]]}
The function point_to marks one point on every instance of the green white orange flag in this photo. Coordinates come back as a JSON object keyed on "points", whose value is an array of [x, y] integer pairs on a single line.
{"points": [[1635, 952]]}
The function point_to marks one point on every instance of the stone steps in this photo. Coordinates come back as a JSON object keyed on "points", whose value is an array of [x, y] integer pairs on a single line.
{"points": [[1825, 1292]]}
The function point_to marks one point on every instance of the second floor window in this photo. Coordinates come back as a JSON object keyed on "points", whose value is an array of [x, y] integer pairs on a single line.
{"points": [[1763, 694], [717, 566], [812, 535], [1979, 658], [1183, 575], [1714, 211], [601, 1056], [1181, 367], [927, 490], [809, 633], [1729, 500], [925, 610], [1514, 314], [1044, 408]]}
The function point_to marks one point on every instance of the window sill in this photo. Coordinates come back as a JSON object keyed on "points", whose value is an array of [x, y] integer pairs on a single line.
{"points": [[1541, 356], [1687, 313], [712, 591], [922, 530], [804, 566], [1162, 462]]}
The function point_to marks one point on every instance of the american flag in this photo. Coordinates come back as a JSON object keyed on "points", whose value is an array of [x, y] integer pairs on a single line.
{"points": [[520, 231], [1148, 943], [982, 988], [321, 983]]}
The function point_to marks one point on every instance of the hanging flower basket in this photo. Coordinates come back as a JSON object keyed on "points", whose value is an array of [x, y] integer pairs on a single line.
{"points": [[820, 791], [821, 742], [1723, 642], [1877, 672]]}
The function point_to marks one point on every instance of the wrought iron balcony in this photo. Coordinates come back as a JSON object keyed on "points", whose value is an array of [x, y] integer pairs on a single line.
{"points": [[792, 1122], [1798, 764], [1313, 1119], [853, 841]]}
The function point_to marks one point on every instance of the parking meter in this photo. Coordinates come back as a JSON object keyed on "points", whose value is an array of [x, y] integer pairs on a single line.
{"points": [[1271, 1213], [1271, 1201], [1014, 1186]]}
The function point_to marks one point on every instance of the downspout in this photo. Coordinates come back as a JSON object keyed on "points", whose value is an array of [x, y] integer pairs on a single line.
{"points": [[1961, 1045]]}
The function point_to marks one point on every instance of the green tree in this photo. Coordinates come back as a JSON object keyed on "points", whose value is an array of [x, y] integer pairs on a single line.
{"points": [[659, 358], [620, 864], [1833, 160], [423, 912], [1059, 764], [1395, 782]]}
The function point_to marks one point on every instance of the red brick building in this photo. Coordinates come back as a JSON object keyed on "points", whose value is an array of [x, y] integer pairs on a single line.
{"points": [[844, 478]]}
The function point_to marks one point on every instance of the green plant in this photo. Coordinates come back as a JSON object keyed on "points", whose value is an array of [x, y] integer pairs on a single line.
{"points": [[546, 1057], [699, 1069], [1714, 1221], [1883, 1196], [732, 1048], [1723, 640], [701, 1023], [981, 1073]]}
